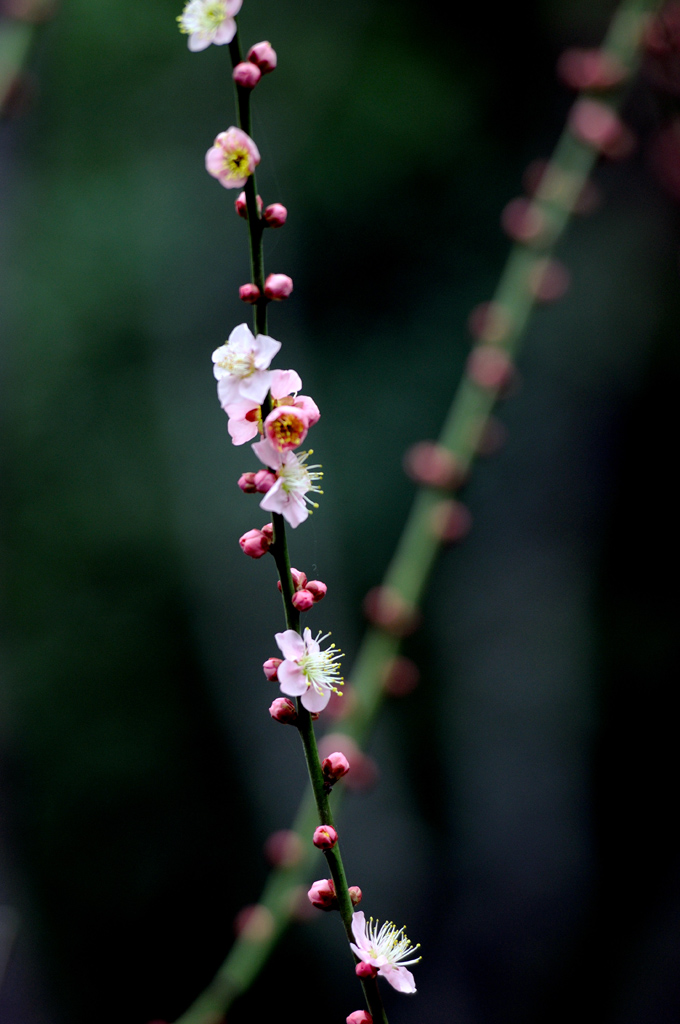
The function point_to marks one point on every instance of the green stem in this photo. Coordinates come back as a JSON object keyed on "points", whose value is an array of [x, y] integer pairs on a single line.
{"points": [[414, 557]]}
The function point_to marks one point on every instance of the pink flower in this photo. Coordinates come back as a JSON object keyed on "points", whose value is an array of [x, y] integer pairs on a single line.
{"points": [[307, 671], [293, 481], [244, 420], [284, 386], [241, 366], [384, 949], [286, 427], [232, 158], [209, 21]]}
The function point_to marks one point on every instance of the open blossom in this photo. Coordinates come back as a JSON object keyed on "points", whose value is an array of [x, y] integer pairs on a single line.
{"points": [[241, 366], [294, 480], [232, 158], [308, 672], [385, 949], [284, 386], [209, 21]]}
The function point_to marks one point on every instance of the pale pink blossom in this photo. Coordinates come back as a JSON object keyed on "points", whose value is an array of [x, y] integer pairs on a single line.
{"points": [[284, 386], [294, 480], [308, 672], [209, 21], [232, 158], [384, 949], [241, 366], [244, 420]]}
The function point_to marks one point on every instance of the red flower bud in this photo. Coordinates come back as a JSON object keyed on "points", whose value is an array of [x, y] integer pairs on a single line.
{"points": [[275, 215], [249, 293], [264, 480], [302, 600], [322, 894], [246, 482], [283, 710], [278, 287], [359, 1017], [334, 767], [270, 668], [263, 55], [364, 970], [246, 74], [254, 543], [355, 894], [325, 837], [317, 589]]}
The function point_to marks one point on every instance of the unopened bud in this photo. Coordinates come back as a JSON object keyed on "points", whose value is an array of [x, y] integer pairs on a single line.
{"points": [[254, 543], [246, 482], [249, 293], [302, 600], [359, 1017], [283, 710], [489, 321], [334, 767], [284, 849], [365, 970], [278, 287], [490, 367], [590, 69], [275, 215], [317, 589], [387, 609], [450, 521], [255, 923], [271, 669], [322, 894], [355, 894], [299, 578], [523, 221], [598, 125], [548, 280], [241, 205], [433, 465], [267, 529], [264, 480], [246, 74], [263, 55], [325, 837]]}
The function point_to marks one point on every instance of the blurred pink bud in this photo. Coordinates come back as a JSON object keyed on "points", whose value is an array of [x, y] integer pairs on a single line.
{"points": [[302, 600], [490, 367], [450, 521], [271, 669], [359, 1017], [322, 894], [385, 608], [242, 206], [263, 55], [325, 837], [489, 321], [548, 280], [299, 578], [598, 125], [278, 287], [523, 221], [365, 970], [255, 923], [246, 74], [284, 849], [355, 894], [590, 69], [275, 215], [334, 767], [246, 482], [264, 480], [665, 158], [254, 543], [283, 710], [317, 589], [249, 293], [430, 464], [267, 529], [401, 676]]}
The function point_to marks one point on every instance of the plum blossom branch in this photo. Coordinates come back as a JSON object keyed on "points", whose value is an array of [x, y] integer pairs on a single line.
{"points": [[593, 128]]}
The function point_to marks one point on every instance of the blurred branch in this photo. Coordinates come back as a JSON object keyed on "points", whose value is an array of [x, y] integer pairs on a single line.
{"points": [[18, 27], [593, 128]]}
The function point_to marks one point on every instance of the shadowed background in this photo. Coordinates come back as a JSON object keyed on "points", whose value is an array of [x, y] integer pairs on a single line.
{"points": [[520, 825]]}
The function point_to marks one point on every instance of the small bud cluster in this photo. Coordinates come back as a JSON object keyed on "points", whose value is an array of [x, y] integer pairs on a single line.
{"points": [[307, 593]]}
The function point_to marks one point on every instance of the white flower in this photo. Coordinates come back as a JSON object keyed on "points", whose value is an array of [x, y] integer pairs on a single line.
{"points": [[209, 21], [308, 672], [294, 479], [241, 366], [385, 949]]}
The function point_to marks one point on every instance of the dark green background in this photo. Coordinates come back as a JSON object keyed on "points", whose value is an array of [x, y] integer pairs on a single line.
{"points": [[521, 825]]}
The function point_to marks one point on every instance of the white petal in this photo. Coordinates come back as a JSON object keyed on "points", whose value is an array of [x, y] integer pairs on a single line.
{"points": [[399, 978], [312, 700], [291, 679], [255, 386], [199, 41], [295, 511], [290, 644], [225, 33], [265, 348], [241, 335], [227, 390], [267, 453]]}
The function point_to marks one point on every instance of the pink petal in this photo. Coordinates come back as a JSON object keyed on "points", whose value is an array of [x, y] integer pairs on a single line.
{"points": [[227, 390], [309, 408], [226, 32], [359, 931], [265, 348], [241, 431], [290, 644], [214, 158], [267, 453], [199, 41], [233, 7], [314, 701], [256, 386], [399, 978], [284, 382], [294, 512], [291, 679]]}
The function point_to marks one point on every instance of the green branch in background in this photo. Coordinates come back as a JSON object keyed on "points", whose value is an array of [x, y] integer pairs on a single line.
{"points": [[537, 224]]}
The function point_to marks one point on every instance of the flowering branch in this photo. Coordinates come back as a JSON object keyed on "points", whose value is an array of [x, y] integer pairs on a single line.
{"points": [[536, 224]]}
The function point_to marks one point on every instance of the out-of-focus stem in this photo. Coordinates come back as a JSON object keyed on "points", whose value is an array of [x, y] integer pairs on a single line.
{"points": [[411, 565], [16, 38]]}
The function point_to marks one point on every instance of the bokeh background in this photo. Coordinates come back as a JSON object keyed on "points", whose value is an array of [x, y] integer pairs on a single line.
{"points": [[521, 825]]}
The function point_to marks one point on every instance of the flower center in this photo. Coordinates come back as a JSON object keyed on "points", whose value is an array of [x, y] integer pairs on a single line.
{"points": [[237, 362], [199, 16], [390, 942], [296, 478], [287, 430], [237, 162], [322, 670]]}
